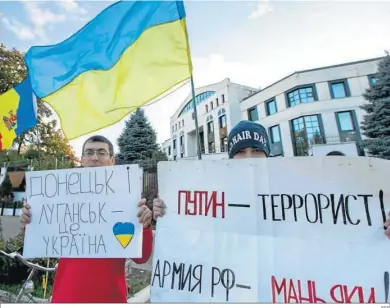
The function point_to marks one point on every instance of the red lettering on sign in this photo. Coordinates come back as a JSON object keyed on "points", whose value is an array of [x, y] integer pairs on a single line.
{"points": [[200, 203], [290, 291]]}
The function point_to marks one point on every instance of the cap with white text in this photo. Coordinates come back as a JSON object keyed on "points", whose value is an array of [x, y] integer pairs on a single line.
{"points": [[248, 134]]}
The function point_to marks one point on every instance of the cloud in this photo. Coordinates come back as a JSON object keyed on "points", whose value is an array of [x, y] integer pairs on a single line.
{"points": [[22, 31], [263, 7], [215, 68], [71, 6], [42, 18]]}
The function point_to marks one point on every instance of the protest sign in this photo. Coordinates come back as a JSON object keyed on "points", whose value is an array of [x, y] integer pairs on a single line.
{"points": [[281, 230], [84, 213]]}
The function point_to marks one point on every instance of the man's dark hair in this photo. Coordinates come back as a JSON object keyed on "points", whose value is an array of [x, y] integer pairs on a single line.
{"points": [[98, 138]]}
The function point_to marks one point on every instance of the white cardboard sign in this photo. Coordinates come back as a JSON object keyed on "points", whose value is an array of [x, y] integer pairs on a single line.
{"points": [[84, 213], [281, 230]]}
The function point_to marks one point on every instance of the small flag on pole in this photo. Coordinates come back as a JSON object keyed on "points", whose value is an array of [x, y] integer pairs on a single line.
{"points": [[131, 53], [18, 113]]}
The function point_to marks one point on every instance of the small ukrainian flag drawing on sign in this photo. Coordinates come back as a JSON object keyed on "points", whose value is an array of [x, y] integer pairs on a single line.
{"points": [[124, 233]]}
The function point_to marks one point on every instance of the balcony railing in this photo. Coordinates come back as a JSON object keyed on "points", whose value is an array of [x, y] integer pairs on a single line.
{"points": [[342, 138]]}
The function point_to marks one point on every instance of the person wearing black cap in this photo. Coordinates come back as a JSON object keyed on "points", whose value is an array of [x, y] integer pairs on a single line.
{"points": [[248, 140]]}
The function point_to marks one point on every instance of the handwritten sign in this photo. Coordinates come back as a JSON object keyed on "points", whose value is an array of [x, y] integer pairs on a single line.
{"points": [[280, 230], [84, 213]]}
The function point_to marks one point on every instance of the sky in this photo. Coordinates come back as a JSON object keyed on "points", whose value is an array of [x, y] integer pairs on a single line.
{"points": [[254, 43]]}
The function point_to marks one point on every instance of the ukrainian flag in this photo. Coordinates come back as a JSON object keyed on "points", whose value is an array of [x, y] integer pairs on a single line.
{"points": [[18, 113], [131, 53]]}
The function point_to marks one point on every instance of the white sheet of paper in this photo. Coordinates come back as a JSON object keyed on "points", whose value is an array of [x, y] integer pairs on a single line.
{"points": [[294, 230], [84, 213]]}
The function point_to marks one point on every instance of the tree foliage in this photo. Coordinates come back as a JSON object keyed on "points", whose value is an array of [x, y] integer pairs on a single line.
{"points": [[12, 68], [6, 186], [376, 122], [138, 139], [45, 137]]}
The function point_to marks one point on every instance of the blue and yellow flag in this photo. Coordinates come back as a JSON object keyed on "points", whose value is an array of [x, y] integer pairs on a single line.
{"points": [[18, 113], [128, 55]]}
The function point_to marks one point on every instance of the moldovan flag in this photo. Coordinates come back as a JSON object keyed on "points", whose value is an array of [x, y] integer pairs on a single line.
{"points": [[18, 113], [128, 55]]}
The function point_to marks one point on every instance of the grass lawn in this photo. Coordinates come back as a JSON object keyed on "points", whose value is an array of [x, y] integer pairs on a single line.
{"points": [[139, 279], [38, 290]]}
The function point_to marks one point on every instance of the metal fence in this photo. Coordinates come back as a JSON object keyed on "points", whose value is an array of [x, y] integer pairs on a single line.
{"points": [[150, 179], [11, 208]]}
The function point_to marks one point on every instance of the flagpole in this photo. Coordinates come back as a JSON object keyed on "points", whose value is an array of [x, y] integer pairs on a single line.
{"points": [[196, 119], [193, 93]]}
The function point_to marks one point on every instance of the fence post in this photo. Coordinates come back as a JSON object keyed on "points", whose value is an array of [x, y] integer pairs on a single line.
{"points": [[15, 203]]}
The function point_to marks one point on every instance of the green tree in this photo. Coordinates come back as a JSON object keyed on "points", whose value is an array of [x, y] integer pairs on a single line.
{"points": [[376, 122], [12, 68], [138, 139], [6, 186]]}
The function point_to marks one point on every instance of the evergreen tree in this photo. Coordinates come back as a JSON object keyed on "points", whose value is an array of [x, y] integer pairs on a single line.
{"points": [[6, 186], [138, 139], [376, 123]]}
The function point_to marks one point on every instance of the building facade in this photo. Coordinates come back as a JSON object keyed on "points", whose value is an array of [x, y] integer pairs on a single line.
{"points": [[218, 109], [314, 112]]}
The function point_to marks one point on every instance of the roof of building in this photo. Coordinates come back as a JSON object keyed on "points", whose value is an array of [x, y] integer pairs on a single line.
{"points": [[312, 70]]}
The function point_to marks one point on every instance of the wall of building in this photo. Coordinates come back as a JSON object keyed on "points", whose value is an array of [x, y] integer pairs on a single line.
{"points": [[229, 96], [356, 76], [238, 99]]}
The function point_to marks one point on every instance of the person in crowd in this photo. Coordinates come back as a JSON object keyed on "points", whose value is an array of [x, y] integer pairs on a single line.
{"points": [[100, 280], [248, 140]]}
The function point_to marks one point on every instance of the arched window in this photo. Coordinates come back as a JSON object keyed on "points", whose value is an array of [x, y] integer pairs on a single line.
{"points": [[222, 118], [335, 153], [221, 112], [198, 99]]}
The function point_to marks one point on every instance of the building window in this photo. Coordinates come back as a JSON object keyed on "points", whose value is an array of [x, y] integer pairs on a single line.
{"points": [[211, 105], [271, 107], [306, 131], [175, 126], [223, 98], [217, 102], [224, 146], [275, 134], [210, 127], [174, 144], [252, 114], [371, 80], [339, 89], [346, 125], [182, 123], [198, 99], [179, 125], [301, 95], [207, 108], [211, 147], [181, 146], [222, 121], [169, 151]]}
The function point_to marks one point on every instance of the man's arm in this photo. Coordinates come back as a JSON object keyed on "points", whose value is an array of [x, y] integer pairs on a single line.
{"points": [[147, 246]]}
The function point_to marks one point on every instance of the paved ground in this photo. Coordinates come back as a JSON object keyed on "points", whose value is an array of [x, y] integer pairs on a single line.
{"points": [[11, 226]]}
